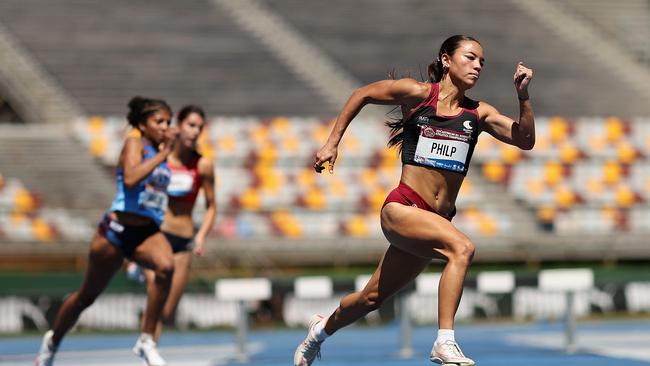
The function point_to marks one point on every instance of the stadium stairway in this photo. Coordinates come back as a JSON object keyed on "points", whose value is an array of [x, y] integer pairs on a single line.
{"points": [[55, 166]]}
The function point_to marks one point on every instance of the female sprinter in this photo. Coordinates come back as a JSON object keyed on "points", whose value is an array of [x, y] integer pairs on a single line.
{"points": [[130, 229], [190, 173], [437, 134]]}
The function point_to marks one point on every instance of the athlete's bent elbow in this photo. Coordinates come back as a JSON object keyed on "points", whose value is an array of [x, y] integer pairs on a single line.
{"points": [[527, 145], [130, 181], [360, 96]]}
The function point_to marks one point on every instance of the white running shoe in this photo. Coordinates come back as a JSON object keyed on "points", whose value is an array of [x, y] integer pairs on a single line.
{"points": [[46, 354], [449, 353], [309, 349], [146, 349]]}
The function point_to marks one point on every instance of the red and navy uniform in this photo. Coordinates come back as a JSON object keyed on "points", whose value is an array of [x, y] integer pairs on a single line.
{"points": [[441, 142], [184, 187]]}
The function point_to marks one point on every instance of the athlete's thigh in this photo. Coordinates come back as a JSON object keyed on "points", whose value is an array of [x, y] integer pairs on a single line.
{"points": [[154, 252], [395, 270], [104, 259], [418, 231]]}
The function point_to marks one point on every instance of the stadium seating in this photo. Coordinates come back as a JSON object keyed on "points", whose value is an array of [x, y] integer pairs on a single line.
{"points": [[23, 219], [587, 175], [266, 186], [584, 175]]}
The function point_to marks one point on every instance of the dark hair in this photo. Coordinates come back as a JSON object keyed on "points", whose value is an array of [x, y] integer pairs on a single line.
{"points": [[435, 72], [449, 46], [189, 109], [141, 108]]}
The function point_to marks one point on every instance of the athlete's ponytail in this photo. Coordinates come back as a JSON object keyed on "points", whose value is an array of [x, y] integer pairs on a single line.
{"points": [[435, 70], [141, 108]]}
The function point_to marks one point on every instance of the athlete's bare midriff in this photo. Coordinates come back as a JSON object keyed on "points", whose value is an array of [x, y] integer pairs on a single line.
{"points": [[439, 188], [178, 219]]}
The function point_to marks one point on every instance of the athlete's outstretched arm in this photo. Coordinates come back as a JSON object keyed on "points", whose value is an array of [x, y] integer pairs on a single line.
{"points": [[387, 92], [521, 133], [206, 172]]}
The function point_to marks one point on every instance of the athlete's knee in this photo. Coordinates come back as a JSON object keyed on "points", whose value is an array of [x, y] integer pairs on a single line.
{"points": [[463, 249], [165, 269]]}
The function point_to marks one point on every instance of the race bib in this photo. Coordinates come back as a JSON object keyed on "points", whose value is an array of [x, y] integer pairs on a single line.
{"points": [[181, 183], [153, 200], [440, 148]]}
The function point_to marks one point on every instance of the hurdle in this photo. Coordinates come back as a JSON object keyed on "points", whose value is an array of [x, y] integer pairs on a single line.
{"points": [[311, 295], [243, 290], [313, 287], [571, 282], [495, 283]]}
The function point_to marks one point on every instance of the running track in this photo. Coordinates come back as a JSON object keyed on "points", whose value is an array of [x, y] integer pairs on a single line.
{"points": [[600, 344]]}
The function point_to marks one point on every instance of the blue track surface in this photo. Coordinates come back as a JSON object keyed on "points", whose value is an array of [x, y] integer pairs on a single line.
{"points": [[610, 344]]}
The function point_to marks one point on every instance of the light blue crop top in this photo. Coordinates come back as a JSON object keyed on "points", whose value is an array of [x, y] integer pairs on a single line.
{"points": [[149, 197]]}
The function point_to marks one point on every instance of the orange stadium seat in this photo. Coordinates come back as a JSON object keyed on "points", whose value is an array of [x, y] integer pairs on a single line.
{"points": [[204, 145], [612, 172], [553, 173], [98, 146], [626, 153], [357, 227], [494, 171], [315, 199], [614, 130], [24, 201], [558, 129], [376, 198], [569, 153], [42, 231], [250, 199], [625, 196], [546, 214], [564, 197], [287, 224], [510, 154]]}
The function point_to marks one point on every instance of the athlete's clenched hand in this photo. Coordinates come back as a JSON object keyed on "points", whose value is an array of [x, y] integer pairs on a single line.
{"points": [[327, 154]]}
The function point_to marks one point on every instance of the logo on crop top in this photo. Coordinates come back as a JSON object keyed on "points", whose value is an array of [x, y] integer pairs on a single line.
{"points": [[428, 132], [467, 126], [422, 119]]}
